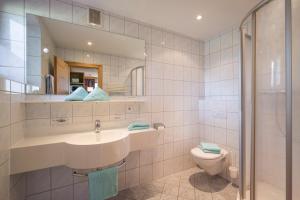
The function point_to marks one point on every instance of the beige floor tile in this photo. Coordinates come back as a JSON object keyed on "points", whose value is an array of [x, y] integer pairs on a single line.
{"points": [[192, 184], [171, 189], [186, 192], [154, 186], [168, 197], [203, 195]]}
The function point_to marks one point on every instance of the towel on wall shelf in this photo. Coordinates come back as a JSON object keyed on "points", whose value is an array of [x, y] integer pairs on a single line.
{"points": [[78, 95]]}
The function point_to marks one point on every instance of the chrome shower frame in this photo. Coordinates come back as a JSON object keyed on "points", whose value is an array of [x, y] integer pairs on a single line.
{"points": [[288, 68]]}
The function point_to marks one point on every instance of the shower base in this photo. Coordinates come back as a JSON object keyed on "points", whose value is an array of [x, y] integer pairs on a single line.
{"points": [[266, 191]]}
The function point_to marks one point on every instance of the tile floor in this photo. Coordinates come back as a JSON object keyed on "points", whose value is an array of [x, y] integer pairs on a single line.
{"points": [[192, 184]]}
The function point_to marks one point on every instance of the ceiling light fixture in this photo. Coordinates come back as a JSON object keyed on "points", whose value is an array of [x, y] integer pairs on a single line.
{"points": [[199, 17], [90, 43], [46, 50]]}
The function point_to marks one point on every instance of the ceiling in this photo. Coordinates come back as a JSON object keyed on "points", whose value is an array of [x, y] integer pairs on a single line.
{"points": [[180, 15], [71, 36]]}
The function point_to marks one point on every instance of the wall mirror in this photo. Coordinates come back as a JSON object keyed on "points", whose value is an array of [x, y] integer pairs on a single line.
{"points": [[62, 56]]}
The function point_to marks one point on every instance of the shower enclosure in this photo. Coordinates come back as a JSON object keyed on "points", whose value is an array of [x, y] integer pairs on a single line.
{"points": [[270, 138]]}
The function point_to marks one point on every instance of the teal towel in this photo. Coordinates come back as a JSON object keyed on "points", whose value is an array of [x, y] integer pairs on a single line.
{"points": [[103, 184], [210, 148], [138, 126], [78, 95], [97, 95]]}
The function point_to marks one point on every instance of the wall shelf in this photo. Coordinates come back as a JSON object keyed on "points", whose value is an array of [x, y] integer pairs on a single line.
{"points": [[60, 99]]}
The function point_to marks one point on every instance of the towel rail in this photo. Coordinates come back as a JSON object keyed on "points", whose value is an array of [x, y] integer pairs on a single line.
{"points": [[75, 173]]}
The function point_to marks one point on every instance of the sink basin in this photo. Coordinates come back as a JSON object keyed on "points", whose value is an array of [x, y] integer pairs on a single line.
{"points": [[89, 150], [84, 150]]}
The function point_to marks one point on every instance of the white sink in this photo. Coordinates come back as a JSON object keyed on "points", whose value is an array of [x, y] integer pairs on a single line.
{"points": [[79, 150], [95, 150]]}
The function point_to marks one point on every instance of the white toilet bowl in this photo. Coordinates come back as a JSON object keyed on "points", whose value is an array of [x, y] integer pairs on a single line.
{"points": [[212, 164]]}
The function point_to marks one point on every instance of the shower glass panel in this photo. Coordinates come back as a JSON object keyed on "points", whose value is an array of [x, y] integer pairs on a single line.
{"points": [[270, 132], [296, 96], [247, 40]]}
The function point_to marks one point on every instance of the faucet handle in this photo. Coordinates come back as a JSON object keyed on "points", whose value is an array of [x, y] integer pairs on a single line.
{"points": [[97, 125], [97, 122]]}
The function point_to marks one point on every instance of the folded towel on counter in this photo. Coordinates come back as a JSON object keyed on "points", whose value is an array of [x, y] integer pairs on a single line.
{"points": [[78, 95], [138, 126], [210, 148], [103, 184], [97, 95]]}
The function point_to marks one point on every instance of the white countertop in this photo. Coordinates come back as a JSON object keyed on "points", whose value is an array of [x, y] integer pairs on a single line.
{"points": [[83, 150]]}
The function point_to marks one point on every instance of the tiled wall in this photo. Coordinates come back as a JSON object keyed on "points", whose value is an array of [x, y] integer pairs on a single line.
{"points": [[12, 123], [220, 108], [174, 83]]}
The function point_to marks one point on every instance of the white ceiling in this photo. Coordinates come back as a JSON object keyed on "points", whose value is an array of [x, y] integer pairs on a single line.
{"points": [[71, 36], [180, 15]]}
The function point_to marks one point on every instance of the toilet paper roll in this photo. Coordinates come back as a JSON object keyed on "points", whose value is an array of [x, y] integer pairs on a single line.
{"points": [[160, 128], [233, 172]]}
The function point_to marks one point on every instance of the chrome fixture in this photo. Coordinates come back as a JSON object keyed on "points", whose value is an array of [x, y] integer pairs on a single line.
{"points": [[97, 126], [119, 165]]}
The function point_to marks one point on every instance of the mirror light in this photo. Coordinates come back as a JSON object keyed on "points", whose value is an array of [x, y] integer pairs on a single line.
{"points": [[199, 17]]}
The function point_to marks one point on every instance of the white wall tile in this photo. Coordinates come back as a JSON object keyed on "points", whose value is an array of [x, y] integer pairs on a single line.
{"points": [[61, 176], [81, 191], [146, 174], [82, 110], [12, 27], [11, 54], [61, 110], [157, 37], [131, 29], [62, 193], [37, 181], [80, 15], [38, 111], [4, 144], [117, 24], [37, 7], [132, 177], [61, 10], [12, 6]]}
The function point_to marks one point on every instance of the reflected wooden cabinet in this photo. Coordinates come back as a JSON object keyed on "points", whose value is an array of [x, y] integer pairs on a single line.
{"points": [[61, 76], [64, 77]]}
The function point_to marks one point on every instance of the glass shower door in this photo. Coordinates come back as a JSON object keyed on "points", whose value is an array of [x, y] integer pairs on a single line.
{"points": [[270, 93], [296, 96]]}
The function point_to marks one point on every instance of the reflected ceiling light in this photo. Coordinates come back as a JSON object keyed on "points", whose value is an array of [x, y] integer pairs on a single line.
{"points": [[45, 50], [145, 54], [90, 43], [88, 55], [199, 17]]}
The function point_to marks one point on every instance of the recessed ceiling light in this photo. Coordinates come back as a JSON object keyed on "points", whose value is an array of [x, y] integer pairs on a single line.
{"points": [[90, 43], [199, 17], [88, 55], [46, 50]]}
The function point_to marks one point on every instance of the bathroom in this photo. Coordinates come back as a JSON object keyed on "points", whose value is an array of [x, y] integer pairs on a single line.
{"points": [[149, 100]]}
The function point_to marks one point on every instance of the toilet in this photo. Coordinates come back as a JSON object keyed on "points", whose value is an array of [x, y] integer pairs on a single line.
{"points": [[212, 164]]}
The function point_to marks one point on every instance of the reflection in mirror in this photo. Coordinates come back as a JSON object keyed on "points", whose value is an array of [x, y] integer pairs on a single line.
{"points": [[62, 57]]}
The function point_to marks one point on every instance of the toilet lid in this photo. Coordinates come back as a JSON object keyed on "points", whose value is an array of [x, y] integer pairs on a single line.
{"points": [[208, 156]]}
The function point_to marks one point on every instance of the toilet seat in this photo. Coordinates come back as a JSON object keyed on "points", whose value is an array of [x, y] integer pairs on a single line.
{"points": [[197, 152]]}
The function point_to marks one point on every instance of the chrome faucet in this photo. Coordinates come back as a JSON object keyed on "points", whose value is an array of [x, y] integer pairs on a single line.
{"points": [[97, 126]]}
